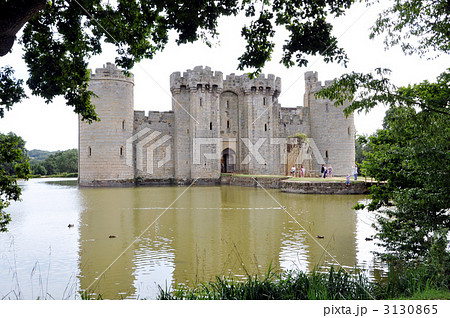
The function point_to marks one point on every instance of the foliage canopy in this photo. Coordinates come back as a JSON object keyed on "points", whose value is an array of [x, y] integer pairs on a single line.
{"points": [[418, 26], [58, 162], [13, 165], [60, 38], [410, 156]]}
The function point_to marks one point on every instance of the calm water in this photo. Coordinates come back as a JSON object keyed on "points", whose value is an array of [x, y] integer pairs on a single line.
{"points": [[170, 234]]}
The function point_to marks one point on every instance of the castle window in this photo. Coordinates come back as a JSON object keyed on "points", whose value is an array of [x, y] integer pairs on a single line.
{"points": [[123, 124], [265, 127], [210, 126], [228, 124], [349, 131], [200, 102], [326, 108], [121, 151], [228, 104], [264, 101], [326, 154], [89, 151]]}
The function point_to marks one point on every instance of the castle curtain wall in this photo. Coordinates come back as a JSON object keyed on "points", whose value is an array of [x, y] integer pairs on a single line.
{"points": [[213, 119]]}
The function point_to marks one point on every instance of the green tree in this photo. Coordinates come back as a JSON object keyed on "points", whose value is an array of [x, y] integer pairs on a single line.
{"points": [[68, 161], [50, 165], [55, 163], [361, 148], [410, 154], [11, 90], [13, 165], [19, 145], [38, 169], [410, 157], [63, 162], [418, 26]]}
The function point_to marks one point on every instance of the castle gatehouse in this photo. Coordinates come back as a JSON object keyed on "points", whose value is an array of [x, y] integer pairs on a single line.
{"points": [[217, 125]]}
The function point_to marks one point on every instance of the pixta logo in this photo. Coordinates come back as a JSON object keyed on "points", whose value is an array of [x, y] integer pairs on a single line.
{"points": [[211, 149], [148, 143]]}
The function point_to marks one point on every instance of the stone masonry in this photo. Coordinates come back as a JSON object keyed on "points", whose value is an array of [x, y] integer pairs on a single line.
{"points": [[216, 125]]}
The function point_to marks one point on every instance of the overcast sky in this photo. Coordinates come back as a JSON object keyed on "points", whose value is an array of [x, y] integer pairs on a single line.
{"points": [[54, 126]]}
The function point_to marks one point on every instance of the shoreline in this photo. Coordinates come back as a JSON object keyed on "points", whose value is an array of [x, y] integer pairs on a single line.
{"points": [[288, 184]]}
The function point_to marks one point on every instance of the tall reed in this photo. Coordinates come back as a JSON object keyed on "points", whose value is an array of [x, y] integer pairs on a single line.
{"points": [[335, 284]]}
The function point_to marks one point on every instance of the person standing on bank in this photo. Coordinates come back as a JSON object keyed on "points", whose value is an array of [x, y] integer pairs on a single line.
{"points": [[355, 171]]}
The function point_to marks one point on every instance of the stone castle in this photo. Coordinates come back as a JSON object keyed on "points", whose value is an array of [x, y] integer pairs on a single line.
{"points": [[233, 125]]}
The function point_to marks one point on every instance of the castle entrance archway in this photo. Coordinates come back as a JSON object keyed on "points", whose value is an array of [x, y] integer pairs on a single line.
{"points": [[227, 163]]}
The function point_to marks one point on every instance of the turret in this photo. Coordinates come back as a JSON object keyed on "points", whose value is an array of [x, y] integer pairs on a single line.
{"points": [[104, 158], [332, 132]]}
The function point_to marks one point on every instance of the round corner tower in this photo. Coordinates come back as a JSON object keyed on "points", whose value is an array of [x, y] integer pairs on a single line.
{"points": [[104, 158], [332, 132]]}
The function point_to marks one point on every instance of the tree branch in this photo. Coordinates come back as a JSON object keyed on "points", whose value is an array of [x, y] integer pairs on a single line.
{"points": [[13, 16]]}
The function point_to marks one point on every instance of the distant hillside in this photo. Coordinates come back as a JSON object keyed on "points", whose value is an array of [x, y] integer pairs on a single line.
{"points": [[37, 155], [45, 162]]}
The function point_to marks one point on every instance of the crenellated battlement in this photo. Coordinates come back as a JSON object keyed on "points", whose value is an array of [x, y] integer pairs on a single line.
{"points": [[205, 78], [153, 116], [198, 78], [270, 85], [110, 71], [312, 83]]}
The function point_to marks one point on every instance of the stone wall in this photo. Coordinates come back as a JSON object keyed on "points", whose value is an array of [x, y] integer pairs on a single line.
{"points": [[293, 121], [333, 134], [301, 187], [326, 187], [102, 145], [153, 148], [265, 182]]}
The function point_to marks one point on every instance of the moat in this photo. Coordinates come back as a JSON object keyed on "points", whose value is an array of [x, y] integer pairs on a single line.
{"points": [[149, 236]]}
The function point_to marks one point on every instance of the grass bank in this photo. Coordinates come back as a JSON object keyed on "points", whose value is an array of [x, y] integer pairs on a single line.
{"points": [[336, 284], [253, 175], [332, 179], [291, 178]]}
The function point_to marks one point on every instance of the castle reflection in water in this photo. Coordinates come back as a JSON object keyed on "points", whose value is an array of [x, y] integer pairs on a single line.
{"points": [[165, 235]]}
